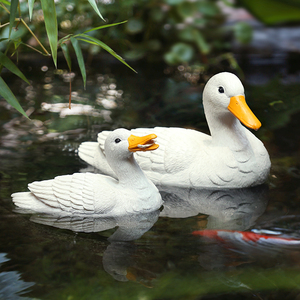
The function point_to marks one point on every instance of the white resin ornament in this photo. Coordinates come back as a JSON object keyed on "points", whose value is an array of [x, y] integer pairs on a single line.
{"points": [[94, 194], [231, 157]]}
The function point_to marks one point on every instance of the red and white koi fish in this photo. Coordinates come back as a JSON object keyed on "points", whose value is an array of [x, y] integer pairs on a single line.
{"points": [[248, 237]]}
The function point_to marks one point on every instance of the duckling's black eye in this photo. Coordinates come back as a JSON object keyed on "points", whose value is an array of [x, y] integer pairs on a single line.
{"points": [[117, 140], [221, 90]]}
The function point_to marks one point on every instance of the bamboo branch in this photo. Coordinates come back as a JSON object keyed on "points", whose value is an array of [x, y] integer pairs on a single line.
{"points": [[24, 23]]}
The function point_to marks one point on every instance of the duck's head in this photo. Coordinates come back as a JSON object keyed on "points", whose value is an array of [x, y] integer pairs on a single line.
{"points": [[224, 93], [121, 143]]}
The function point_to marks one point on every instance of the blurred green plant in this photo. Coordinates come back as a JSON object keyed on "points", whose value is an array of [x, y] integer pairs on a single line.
{"points": [[273, 12], [17, 28], [178, 31]]}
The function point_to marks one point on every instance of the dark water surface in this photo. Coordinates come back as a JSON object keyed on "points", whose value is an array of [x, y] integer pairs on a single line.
{"points": [[154, 256]]}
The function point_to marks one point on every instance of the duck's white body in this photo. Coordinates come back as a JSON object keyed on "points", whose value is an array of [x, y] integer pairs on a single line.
{"points": [[94, 194], [232, 157]]}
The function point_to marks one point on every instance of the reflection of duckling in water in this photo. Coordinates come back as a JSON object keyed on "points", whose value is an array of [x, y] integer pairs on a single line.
{"points": [[232, 157], [119, 261], [119, 258], [88, 194]]}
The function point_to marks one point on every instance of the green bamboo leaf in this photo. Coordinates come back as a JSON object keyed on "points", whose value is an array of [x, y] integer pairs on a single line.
{"points": [[5, 2], [30, 7], [67, 56], [94, 41], [8, 95], [80, 60], [95, 7], [7, 63], [104, 26], [49, 11], [13, 11], [64, 39]]}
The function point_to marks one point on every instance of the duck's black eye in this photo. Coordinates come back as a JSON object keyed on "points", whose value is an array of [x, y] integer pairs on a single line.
{"points": [[117, 140], [221, 90]]}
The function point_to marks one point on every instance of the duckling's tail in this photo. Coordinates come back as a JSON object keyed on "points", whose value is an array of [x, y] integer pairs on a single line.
{"points": [[27, 201]]}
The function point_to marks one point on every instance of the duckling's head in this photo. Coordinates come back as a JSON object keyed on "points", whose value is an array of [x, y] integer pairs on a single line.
{"points": [[121, 144], [224, 94]]}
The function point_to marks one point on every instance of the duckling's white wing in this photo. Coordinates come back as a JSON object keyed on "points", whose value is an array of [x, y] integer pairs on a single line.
{"points": [[93, 154], [82, 193]]}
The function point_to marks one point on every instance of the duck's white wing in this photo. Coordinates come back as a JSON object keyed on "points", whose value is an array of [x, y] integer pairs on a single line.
{"points": [[82, 193], [219, 168]]}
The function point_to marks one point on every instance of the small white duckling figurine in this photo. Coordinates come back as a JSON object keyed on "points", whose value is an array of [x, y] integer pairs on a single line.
{"points": [[232, 157], [97, 194]]}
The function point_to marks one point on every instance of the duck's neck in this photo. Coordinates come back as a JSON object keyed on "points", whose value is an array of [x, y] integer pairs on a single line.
{"points": [[129, 173], [227, 131]]}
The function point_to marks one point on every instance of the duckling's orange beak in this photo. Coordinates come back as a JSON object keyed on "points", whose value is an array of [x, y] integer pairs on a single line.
{"points": [[241, 110], [142, 143]]}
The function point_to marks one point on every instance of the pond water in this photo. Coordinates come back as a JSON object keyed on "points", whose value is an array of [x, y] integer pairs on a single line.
{"points": [[154, 256]]}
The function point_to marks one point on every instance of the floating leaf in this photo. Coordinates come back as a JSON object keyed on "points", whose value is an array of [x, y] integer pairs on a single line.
{"points": [[7, 63], [49, 11], [30, 7], [94, 41], [8, 95], [80, 60], [95, 7], [13, 11]]}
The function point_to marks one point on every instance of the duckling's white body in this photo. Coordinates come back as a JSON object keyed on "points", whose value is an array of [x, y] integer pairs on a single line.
{"points": [[232, 157], [86, 193]]}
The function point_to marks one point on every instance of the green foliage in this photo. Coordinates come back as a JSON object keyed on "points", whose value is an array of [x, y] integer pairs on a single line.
{"points": [[178, 31]]}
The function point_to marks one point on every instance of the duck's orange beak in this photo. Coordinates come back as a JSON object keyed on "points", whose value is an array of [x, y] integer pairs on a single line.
{"points": [[241, 110], [142, 143]]}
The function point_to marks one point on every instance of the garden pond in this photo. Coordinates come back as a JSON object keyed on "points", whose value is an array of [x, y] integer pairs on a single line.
{"points": [[156, 256]]}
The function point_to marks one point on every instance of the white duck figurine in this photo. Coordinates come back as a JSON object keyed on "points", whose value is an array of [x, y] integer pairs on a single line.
{"points": [[232, 157], [97, 194]]}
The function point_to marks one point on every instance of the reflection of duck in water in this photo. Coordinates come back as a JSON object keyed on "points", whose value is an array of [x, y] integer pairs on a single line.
{"points": [[235, 209], [87, 194], [232, 157]]}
